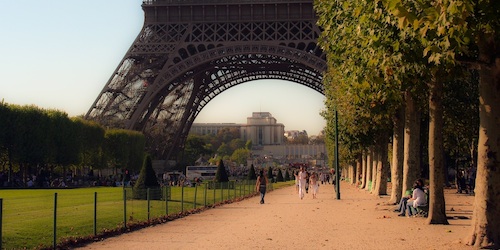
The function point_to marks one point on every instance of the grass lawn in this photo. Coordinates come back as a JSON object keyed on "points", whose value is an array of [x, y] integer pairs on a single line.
{"points": [[28, 214]]}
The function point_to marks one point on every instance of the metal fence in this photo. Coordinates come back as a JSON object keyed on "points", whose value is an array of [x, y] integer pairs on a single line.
{"points": [[55, 216]]}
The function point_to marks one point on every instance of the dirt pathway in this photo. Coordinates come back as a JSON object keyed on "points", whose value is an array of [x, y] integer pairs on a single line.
{"points": [[358, 220]]}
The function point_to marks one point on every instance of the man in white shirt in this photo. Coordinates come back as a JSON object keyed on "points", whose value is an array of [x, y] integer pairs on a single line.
{"points": [[302, 182]]}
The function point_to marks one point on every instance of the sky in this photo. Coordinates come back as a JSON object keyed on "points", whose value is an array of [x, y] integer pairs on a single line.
{"points": [[59, 54]]}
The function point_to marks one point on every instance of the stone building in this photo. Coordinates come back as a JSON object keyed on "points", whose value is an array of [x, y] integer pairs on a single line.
{"points": [[261, 128]]}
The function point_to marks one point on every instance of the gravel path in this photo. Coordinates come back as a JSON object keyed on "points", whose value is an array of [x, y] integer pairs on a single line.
{"points": [[358, 220]]}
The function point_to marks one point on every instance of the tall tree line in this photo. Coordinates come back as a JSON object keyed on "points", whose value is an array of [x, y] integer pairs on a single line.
{"points": [[393, 67], [34, 140]]}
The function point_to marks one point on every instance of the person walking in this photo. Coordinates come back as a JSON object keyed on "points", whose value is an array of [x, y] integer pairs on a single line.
{"points": [[302, 182], [296, 175], [261, 185], [313, 184]]}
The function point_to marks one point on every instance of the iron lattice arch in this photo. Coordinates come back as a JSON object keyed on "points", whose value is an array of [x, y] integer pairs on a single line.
{"points": [[187, 53]]}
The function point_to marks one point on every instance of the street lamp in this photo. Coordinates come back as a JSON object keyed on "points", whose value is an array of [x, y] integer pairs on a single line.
{"points": [[337, 174]]}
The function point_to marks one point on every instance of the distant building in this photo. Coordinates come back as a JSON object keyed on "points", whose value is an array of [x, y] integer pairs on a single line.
{"points": [[261, 128], [292, 134], [211, 128]]}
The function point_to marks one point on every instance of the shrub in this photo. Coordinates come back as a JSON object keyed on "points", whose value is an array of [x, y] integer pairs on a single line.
{"points": [[287, 175], [147, 180], [251, 173], [279, 176], [221, 175]]}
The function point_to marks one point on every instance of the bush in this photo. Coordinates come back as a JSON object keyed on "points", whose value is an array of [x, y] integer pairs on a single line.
{"points": [[147, 180], [270, 176], [251, 173], [221, 175], [279, 177], [287, 175]]}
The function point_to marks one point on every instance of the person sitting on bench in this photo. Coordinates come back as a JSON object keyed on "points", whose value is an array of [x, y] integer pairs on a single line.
{"points": [[417, 199]]}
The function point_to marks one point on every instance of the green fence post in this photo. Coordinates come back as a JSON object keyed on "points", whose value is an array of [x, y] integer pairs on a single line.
{"points": [[221, 192], [125, 208], [1, 221], [234, 188], [147, 197], [95, 213], [195, 192], [213, 185], [206, 189], [240, 189], [166, 200], [182, 198], [55, 220]]}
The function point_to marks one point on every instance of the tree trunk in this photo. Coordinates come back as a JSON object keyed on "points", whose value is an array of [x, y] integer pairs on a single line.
{"points": [[359, 166], [486, 219], [411, 161], [353, 172], [381, 182], [397, 157], [363, 171], [437, 209], [369, 163], [375, 159]]}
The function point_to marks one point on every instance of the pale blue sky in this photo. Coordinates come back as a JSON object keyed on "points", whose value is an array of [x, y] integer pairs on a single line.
{"points": [[59, 54]]}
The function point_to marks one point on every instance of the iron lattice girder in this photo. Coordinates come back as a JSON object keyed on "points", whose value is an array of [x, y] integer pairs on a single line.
{"points": [[186, 54]]}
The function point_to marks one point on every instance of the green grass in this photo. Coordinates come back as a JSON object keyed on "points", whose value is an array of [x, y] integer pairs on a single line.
{"points": [[28, 214]]}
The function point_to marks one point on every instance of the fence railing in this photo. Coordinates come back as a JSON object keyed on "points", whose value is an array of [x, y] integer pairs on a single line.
{"points": [[44, 219]]}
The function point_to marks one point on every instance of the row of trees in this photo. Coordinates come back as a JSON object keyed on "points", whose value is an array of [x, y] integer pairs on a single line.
{"points": [[227, 144], [393, 68], [34, 140]]}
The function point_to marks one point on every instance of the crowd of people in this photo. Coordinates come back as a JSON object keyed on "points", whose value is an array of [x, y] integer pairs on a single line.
{"points": [[305, 181]]}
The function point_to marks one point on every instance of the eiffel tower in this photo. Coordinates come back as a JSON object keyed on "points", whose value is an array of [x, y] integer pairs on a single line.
{"points": [[189, 51]]}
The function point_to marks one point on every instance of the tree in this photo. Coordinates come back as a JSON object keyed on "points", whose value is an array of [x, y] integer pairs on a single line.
{"points": [[373, 62], [147, 180], [221, 174], [92, 141], [279, 176], [248, 145], [195, 147], [287, 175], [397, 157], [468, 32], [240, 156], [270, 175], [251, 173], [224, 150]]}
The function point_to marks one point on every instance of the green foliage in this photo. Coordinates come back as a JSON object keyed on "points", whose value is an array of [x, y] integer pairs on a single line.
{"points": [[461, 119], [270, 175], [224, 150], [279, 176], [147, 179], [221, 174], [195, 148], [240, 156], [124, 148], [248, 145], [34, 138], [371, 63], [251, 173], [147, 176], [287, 175]]}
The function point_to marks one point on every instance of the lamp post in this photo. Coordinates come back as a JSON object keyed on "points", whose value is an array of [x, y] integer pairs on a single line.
{"points": [[337, 174]]}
